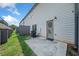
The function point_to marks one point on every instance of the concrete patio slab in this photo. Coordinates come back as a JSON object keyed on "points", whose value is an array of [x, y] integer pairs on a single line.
{"points": [[43, 47]]}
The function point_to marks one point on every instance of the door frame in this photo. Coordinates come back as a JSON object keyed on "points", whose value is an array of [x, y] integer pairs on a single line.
{"points": [[47, 30]]}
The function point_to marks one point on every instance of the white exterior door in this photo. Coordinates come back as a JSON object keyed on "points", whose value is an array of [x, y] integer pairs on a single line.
{"points": [[50, 30]]}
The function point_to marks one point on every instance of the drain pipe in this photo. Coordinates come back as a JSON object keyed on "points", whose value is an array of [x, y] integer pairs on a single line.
{"points": [[76, 26]]}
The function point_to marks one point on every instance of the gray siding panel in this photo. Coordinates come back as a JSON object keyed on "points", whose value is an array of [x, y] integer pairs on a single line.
{"points": [[0, 36], [4, 36]]}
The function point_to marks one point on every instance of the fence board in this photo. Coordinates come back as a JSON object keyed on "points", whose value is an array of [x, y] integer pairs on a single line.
{"points": [[23, 30]]}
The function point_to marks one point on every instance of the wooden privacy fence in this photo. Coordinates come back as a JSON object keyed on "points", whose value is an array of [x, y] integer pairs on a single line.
{"points": [[23, 30], [5, 33]]}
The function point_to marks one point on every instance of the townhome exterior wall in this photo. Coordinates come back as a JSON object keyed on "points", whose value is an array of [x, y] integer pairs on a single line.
{"points": [[64, 25]]}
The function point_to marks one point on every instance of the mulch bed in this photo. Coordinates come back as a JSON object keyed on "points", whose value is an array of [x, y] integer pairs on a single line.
{"points": [[72, 50]]}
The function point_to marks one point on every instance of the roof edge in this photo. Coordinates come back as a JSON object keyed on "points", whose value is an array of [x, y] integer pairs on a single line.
{"points": [[29, 11]]}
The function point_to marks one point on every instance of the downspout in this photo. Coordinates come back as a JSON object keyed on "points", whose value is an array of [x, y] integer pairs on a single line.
{"points": [[76, 25]]}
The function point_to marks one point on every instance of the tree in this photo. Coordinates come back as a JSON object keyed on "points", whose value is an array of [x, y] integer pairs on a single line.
{"points": [[13, 26]]}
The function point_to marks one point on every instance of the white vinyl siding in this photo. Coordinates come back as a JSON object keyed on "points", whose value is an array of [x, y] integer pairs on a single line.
{"points": [[63, 26]]}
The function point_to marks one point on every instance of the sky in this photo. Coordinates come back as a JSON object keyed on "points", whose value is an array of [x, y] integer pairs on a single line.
{"points": [[13, 13]]}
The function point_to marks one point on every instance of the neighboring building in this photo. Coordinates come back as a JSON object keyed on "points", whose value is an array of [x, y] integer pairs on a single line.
{"points": [[3, 21], [4, 33], [56, 21]]}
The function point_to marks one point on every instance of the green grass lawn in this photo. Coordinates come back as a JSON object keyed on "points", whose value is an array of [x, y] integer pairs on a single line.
{"points": [[15, 46]]}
